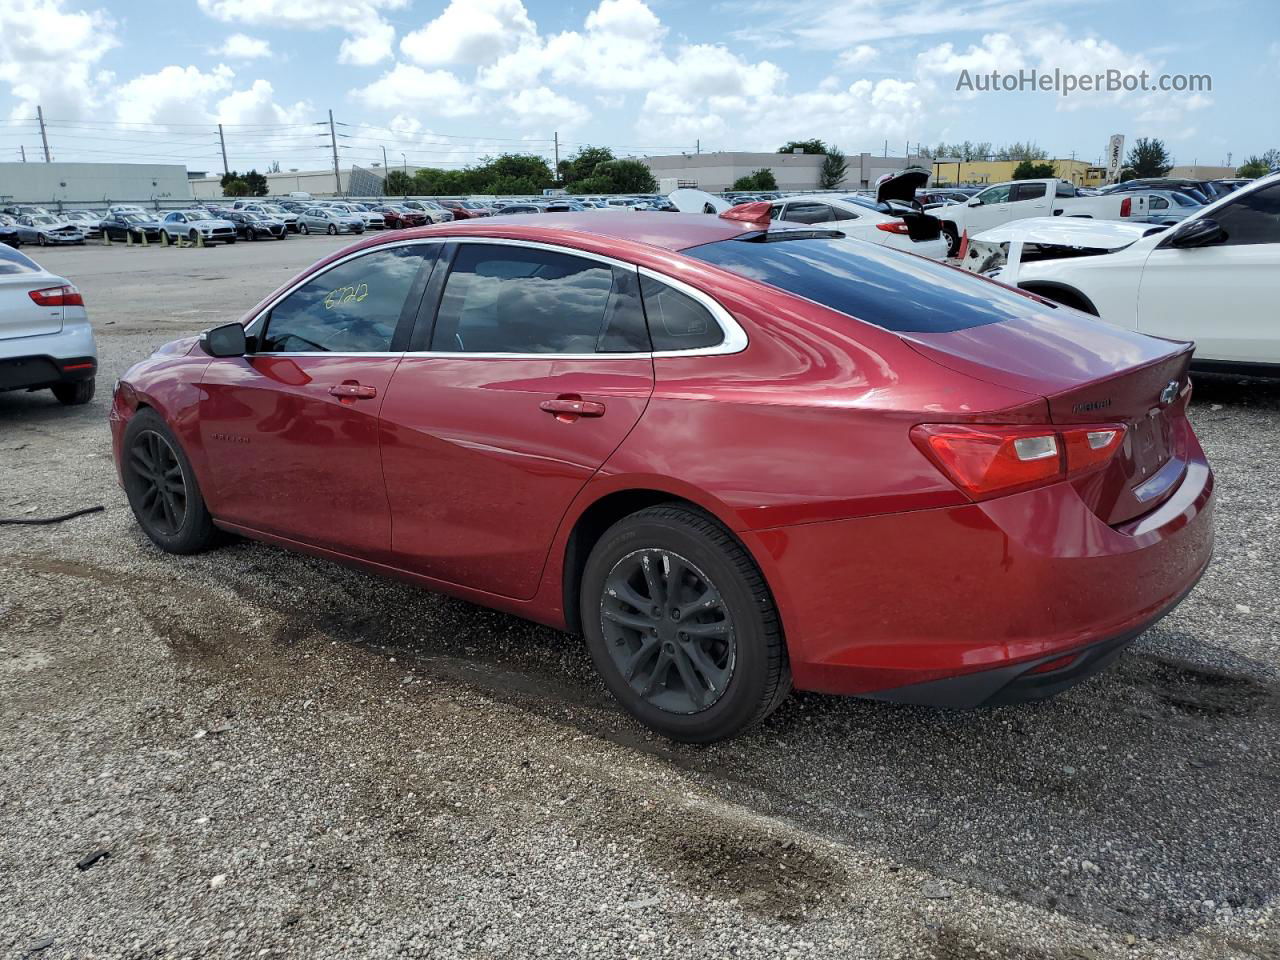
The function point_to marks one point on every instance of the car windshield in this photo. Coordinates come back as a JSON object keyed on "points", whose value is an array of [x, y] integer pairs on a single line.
{"points": [[43, 220], [133, 218], [885, 287], [198, 215]]}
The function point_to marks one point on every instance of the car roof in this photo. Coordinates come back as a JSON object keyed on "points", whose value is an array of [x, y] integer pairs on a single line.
{"points": [[668, 231]]}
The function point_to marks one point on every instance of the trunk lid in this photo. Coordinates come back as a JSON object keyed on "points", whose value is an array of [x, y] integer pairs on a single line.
{"points": [[1089, 373], [20, 316], [902, 186]]}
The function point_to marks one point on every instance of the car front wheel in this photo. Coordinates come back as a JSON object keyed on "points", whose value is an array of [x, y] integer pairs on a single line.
{"points": [[333, 230], [162, 488], [681, 625]]}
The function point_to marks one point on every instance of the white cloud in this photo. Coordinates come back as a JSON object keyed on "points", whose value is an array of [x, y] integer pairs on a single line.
{"points": [[436, 92], [858, 56], [240, 46], [172, 94], [50, 55], [470, 32], [543, 107], [369, 43], [256, 104]]}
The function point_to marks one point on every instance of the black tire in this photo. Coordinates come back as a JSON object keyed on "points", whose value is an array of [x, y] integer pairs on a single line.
{"points": [[953, 238], [194, 236], [751, 652], [333, 230], [76, 393], [302, 229], [193, 531], [41, 240], [230, 240]]}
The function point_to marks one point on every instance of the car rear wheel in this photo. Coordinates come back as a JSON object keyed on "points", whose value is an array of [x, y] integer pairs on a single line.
{"points": [[42, 240], [74, 394], [162, 488], [682, 626], [302, 228]]}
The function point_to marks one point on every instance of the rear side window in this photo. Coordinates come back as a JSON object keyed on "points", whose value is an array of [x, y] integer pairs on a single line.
{"points": [[808, 213], [676, 320], [1030, 191], [508, 299], [351, 308], [891, 289]]}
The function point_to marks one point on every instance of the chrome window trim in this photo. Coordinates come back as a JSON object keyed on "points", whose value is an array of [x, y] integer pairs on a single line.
{"points": [[735, 338]]}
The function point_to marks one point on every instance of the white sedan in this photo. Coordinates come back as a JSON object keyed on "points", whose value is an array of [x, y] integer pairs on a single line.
{"points": [[45, 338], [1213, 279]]}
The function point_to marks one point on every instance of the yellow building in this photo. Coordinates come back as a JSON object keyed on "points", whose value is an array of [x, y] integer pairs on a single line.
{"points": [[954, 172]]}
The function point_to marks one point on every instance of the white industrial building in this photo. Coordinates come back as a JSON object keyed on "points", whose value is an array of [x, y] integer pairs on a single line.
{"points": [[72, 184], [793, 171], [318, 183]]}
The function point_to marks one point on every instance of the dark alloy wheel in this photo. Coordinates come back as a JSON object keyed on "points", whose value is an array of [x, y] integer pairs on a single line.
{"points": [[333, 231], [162, 493], [682, 626], [668, 630], [162, 488]]}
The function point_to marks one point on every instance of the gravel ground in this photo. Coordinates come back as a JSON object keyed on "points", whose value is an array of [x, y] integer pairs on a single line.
{"points": [[282, 757]]}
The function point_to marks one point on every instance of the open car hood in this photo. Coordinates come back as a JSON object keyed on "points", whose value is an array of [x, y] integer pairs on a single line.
{"points": [[697, 201], [902, 185]]}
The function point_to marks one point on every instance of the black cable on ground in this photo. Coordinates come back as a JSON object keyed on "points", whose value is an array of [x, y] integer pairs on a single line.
{"points": [[45, 520]]}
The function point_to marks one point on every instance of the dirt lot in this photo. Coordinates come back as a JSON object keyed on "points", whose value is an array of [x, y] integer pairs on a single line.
{"points": [[281, 757]]}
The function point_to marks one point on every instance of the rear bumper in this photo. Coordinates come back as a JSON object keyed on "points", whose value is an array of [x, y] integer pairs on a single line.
{"points": [[899, 606], [39, 371]]}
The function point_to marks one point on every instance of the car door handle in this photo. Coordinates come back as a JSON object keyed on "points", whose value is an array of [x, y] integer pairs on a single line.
{"points": [[570, 408], [353, 391]]}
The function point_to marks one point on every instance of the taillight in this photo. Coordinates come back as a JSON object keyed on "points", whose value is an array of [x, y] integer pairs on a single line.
{"points": [[894, 226], [988, 461], [1125, 206], [64, 296]]}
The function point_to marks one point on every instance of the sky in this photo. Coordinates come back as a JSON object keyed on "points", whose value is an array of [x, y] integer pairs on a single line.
{"points": [[436, 83]]}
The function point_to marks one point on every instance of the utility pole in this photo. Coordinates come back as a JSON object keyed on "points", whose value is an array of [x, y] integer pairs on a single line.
{"points": [[886, 148], [223, 140], [337, 172], [384, 156], [697, 146], [44, 138], [555, 172], [23, 151]]}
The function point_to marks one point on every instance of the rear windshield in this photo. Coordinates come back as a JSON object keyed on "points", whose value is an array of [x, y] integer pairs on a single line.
{"points": [[11, 262], [889, 288]]}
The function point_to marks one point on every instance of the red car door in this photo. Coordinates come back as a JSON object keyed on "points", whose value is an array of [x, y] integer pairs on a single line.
{"points": [[536, 368], [291, 430]]}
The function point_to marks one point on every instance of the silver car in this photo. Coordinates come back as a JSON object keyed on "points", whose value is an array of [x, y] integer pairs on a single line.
{"points": [[198, 223], [47, 230], [435, 213], [329, 220], [46, 341], [372, 219]]}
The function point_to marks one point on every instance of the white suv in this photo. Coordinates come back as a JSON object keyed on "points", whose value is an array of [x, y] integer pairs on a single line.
{"points": [[46, 342]]}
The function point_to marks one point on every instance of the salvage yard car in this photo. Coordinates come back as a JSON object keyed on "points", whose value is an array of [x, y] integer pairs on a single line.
{"points": [[123, 226], [197, 224], [46, 342], [256, 226], [1214, 278], [47, 230], [1020, 199], [328, 220], [736, 456]]}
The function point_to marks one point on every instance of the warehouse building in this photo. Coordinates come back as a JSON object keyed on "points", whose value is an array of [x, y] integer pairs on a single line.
{"points": [[73, 184], [793, 171], [951, 172], [356, 182]]}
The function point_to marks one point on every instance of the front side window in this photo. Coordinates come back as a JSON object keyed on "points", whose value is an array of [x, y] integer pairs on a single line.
{"points": [[998, 194], [523, 300], [351, 308], [1252, 218]]}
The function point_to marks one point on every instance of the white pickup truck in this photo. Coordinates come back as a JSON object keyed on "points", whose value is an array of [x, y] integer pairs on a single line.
{"points": [[1020, 199]]}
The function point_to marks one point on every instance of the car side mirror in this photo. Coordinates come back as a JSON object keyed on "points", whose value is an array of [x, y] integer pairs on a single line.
{"points": [[227, 340], [975, 202], [1201, 232]]}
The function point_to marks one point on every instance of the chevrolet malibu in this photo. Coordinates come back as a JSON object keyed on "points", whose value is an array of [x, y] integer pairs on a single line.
{"points": [[736, 457]]}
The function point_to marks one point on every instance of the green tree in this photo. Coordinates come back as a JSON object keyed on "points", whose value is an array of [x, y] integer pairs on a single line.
{"points": [[257, 184], [804, 146], [511, 173], [235, 188], [1031, 170], [583, 163], [1022, 151], [834, 167], [1149, 158], [1260, 166], [964, 151], [397, 184], [617, 176], [761, 179]]}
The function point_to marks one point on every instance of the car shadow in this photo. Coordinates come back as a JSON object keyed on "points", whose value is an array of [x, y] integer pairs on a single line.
{"points": [[1126, 802], [1235, 391]]}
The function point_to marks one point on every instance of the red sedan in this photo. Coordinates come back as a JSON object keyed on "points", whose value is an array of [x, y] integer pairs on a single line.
{"points": [[737, 458], [400, 217]]}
